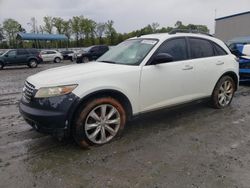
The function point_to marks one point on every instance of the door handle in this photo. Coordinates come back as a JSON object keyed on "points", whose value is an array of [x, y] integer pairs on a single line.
{"points": [[220, 63], [188, 67]]}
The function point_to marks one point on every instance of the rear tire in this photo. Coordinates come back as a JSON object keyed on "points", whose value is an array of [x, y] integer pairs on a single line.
{"points": [[100, 121], [32, 63], [223, 92], [1, 65], [57, 60]]}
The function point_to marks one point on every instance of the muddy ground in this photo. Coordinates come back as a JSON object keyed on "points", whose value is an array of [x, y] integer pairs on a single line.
{"points": [[194, 146]]}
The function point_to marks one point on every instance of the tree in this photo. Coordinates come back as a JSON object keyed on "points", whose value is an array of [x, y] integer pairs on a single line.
{"points": [[202, 28], [178, 25], [1, 33], [67, 29], [89, 30], [110, 32], [11, 27], [154, 26], [33, 24], [48, 27], [100, 29], [58, 24], [75, 26]]}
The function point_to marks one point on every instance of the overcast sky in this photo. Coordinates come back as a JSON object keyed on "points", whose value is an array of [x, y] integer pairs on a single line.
{"points": [[128, 15]]}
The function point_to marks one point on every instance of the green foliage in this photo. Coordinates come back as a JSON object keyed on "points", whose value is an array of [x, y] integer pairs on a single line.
{"points": [[199, 28], [48, 27], [58, 23], [10, 28], [82, 31]]}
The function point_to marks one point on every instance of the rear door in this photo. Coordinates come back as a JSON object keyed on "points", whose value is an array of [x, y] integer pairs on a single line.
{"points": [[22, 56], [208, 65], [51, 55]]}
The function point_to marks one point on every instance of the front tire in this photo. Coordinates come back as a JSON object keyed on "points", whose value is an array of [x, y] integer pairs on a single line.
{"points": [[99, 122], [223, 92], [85, 59], [32, 63]]}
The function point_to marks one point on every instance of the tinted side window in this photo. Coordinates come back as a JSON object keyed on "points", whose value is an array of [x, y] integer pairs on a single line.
{"points": [[33, 51], [51, 52], [22, 52], [200, 48], [12, 53], [176, 48], [219, 50], [94, 49]]}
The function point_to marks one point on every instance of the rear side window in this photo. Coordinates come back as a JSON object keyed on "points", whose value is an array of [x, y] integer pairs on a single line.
{"points": [[176, 48], [22, 52], [219, 50], [200, 48], [33, 51], [51, 52]]}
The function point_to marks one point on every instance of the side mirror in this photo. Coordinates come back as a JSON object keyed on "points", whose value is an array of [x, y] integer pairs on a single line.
{"points": [[162, 58]]}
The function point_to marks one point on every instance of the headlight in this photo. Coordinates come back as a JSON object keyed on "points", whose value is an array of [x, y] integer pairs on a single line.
{"points": [[54, 91]]}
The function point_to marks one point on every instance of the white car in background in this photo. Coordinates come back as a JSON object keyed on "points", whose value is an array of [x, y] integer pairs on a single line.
{"points": [[51, 56]]}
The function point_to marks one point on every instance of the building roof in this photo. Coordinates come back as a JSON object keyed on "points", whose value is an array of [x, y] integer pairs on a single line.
{"points": [[35, 36], [234, 15]]}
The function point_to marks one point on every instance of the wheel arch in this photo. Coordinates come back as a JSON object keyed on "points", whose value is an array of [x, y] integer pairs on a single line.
{"points": [[233, 75], [119, 96], [32, 58]]}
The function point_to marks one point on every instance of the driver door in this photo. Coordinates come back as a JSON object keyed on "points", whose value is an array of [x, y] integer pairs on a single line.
{"points": [[11, 57], [168, 83]]}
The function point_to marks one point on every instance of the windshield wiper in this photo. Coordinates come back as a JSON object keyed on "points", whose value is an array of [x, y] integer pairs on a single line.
{"points": [[112, 62]]}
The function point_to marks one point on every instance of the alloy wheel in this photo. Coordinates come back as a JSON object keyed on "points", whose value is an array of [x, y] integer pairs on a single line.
{"points": [[225, 93], [102, 124]]}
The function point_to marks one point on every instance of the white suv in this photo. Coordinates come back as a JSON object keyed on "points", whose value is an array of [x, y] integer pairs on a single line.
{"points": [[51, 56], [94, 101]]}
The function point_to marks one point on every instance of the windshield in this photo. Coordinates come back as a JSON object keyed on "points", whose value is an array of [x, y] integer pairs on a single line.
{"points": [[130, 52], [2, 52]]}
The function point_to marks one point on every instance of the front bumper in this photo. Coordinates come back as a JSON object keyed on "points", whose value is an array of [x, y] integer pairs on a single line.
{"points": [[50, 115]]}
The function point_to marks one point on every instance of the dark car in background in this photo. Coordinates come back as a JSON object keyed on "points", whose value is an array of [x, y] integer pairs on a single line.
{"points": [[91, 53], [29, 57], [68, 55]]}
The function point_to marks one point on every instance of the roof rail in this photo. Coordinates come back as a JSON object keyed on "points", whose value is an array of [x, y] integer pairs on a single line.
{"points": [[174, 31]]}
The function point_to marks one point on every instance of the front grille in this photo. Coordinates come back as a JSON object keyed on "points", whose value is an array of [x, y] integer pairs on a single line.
{"points": [[28, 91]]}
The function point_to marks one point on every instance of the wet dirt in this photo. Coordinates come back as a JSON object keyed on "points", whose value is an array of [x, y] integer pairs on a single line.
{"points": [[193, 146]]}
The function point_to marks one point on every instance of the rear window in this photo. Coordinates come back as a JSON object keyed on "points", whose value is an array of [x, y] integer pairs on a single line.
{"points": [[219, 50], [200, 48]]}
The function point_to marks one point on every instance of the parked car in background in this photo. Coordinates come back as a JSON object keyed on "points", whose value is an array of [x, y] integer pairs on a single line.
{"points": [[68, 55], [94, 101], [29, 57], [91, 53], [51, 56], [242, 51]]}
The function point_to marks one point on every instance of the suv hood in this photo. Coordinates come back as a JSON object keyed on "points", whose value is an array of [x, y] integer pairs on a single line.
{"points": [[71, 74]]}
